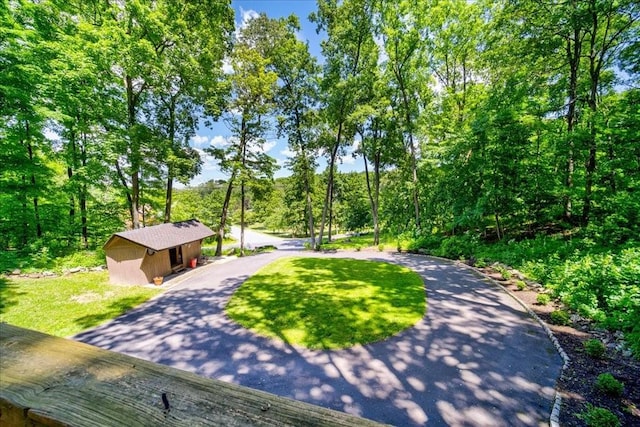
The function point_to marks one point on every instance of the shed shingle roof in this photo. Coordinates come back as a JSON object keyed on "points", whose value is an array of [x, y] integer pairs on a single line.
{"points": [[164, 236]]}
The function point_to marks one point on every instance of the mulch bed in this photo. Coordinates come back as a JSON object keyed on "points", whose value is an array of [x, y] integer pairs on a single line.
{"points": [[577, 382]]}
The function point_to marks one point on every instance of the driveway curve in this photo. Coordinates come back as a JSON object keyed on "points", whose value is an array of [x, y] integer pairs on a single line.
{"points": [[477, 358]]}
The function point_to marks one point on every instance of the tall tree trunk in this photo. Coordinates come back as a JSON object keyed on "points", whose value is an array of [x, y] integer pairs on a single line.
{"points": [[242, 201], [307, 181], [373, 198], [223, 216], [325, 208], [36, 210], [573, 51], [242, 189], [329, 235], [168, 196], [25, 220], [412, 148], [307, 189], [172, 136], [123, 181], [71, 164], [83, 195], [134, 154]]}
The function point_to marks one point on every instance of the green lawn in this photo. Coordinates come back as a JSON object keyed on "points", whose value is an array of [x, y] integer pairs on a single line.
{"points": [[329, 303], [362, 241], [63, 306]]}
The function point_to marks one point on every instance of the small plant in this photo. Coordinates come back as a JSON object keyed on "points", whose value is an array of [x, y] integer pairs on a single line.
{"points": [[506, 275], [480, 263], [607, 384], [380, 247], [358, 248], [599, 417], [594, 348], [560, 317], [307, 245], [543, 299], [521, 285]]}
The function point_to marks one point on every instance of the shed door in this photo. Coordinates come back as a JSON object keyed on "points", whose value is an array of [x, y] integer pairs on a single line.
{"points": [[175, 255]]}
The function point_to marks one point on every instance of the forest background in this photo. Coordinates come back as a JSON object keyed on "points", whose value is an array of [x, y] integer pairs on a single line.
{"points": [[490, 130]]}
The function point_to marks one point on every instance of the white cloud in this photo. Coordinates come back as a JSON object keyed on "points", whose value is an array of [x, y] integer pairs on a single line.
{"points": [[347, 159], [267, 146], [246, 16], [288, 153], [199, 141], [210, 163], [219, 141]]}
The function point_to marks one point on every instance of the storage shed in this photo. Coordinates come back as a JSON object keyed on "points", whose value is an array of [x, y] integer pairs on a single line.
{"points": [[137, 256]]}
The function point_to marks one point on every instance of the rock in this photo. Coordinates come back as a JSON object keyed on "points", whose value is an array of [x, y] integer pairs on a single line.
{"points": [[76, 270], [48, 273], [16, 272]]}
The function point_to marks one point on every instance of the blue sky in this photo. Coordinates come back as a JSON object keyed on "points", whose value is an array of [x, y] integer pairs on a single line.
{"points": [[219, 134]]}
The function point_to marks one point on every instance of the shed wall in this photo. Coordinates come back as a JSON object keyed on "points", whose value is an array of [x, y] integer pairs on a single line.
{"points": [[130, 263], [124, 260], [189, 251], [154, 265]]}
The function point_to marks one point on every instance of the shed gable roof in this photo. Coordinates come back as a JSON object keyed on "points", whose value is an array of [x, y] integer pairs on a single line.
{"points": [[165, 236]]}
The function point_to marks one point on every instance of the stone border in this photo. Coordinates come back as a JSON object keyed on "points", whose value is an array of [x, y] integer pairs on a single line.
{"points": [[554, 418]]}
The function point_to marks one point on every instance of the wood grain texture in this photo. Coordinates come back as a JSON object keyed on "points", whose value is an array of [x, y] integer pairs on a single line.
{"points": [[52, 381]]}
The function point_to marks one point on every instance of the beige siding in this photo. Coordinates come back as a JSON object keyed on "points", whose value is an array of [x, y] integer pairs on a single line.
{"points": [[189, 251], [131, 263], [156, 265], [123, 261]]}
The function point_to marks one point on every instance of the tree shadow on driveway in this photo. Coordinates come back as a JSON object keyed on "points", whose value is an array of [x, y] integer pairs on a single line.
{"points": [[476, 358]]}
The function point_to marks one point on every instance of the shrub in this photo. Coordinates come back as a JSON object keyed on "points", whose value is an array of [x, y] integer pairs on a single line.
{"points": [[607, 384], [599, 417], [481, 263], [456, 247], [594, 348], [560, 317], [521, 285], [543, 299], [380, 247]]}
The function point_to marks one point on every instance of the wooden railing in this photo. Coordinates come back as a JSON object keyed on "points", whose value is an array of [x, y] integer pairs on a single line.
{"points": [[52, 381]]}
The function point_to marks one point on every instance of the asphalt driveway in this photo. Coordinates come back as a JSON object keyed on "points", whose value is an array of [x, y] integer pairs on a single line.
{"points": [[476, 358]]}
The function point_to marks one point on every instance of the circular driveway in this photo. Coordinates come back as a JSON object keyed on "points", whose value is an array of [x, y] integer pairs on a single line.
{"points": [[477, 358]]}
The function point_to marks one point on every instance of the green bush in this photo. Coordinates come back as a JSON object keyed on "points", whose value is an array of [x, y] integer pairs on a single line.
{"points": [[594, 348], [596, 277], [543, 299], [521, 285], [599, 417], [456, 247], [607, 384], [560, 317], [380, 247]]}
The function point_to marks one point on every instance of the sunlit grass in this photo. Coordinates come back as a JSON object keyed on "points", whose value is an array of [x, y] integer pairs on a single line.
{"points": [[363, 241], [64, 306], [329, 303]]}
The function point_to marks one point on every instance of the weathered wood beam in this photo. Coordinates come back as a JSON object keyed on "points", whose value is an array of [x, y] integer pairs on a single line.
{"points": [[52, 381]]}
